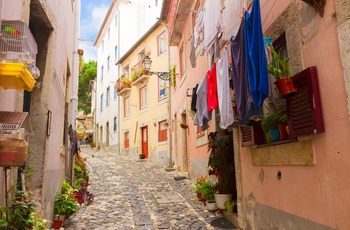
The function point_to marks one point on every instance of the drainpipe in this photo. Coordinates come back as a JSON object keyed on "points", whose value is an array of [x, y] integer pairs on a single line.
{"points": [[119, 115], [75, 63], [170, 117]]}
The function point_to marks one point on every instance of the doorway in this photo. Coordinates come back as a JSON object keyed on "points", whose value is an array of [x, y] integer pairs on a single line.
{"points": [[107, 135], [184, 141], [144, 141]]}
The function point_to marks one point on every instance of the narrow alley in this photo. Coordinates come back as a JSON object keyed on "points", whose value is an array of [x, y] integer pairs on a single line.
{"points": [[139, 194]]}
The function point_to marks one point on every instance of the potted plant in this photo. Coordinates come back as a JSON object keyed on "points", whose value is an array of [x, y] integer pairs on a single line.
{"points": [[269, 124], [142, 156], [282, 126], [221, 165], [230, 205], [279, 68], [207, 190], [198, 188]]}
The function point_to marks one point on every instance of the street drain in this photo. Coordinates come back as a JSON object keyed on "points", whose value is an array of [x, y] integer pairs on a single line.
{"points": [[178, 178], [222, 222], [169, 169]]}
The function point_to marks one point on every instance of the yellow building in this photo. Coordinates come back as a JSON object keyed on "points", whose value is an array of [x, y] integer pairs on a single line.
{"points": [[144, 103]]}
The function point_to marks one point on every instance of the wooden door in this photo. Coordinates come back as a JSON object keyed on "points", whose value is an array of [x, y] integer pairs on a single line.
{"points": [[144, 141]]}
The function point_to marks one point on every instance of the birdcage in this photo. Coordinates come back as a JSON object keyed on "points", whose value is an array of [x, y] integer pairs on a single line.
{"points": [[17, 44]]}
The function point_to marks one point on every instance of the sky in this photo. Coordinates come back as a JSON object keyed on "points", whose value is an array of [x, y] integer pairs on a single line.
{"points": [[92, 13]]}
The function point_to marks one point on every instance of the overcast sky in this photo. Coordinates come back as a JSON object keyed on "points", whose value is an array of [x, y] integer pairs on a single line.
{"points": [[92, 15]]}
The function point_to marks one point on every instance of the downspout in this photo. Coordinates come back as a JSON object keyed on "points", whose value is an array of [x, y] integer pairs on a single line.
{"points": [[119, 115], [75, 79]]}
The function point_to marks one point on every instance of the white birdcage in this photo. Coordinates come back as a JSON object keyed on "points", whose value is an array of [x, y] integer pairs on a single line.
{"points": [[17, 44]]}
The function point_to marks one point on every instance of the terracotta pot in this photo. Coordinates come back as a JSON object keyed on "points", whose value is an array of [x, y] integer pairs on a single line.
{"points": [[57, 224], [79, 198], [285, 87], [283, 131]]}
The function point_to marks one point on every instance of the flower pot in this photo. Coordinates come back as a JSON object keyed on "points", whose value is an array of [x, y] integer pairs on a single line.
{"points": [[285, 86], [79, 198], [282, 127], [211, 205], [268, 138], [229, 206], [57, 224], [274, 134], [221, 199], [12, 152]]}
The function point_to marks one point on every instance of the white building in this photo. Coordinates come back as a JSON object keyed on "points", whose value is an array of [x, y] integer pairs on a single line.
{"points": [[124, 23]]}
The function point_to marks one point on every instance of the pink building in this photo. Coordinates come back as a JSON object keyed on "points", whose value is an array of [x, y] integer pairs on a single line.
{"points": [[299, 182]]}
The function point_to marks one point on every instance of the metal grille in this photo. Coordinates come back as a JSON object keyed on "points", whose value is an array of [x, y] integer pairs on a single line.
{"points": [[17, 44], [11, 120]]}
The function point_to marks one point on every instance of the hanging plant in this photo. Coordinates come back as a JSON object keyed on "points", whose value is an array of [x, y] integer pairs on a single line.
{"points": [[172, 75]]}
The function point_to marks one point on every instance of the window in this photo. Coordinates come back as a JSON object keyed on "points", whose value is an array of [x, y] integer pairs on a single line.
{"points": [[162, 43], [116, 20], [126, 140], [103, 45], [101, 72], [115, 52], [162, 89], [162, 131], [143, 97], [126, 106], [109, 34], [115, 92], [182, 61], [156, 1], [142, 55], [107, 97], [199, 131], [101, 103], [108, 63], [115, 124]]}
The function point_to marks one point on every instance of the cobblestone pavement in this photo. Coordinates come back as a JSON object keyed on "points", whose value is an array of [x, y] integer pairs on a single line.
{"points": [[137, 194]]}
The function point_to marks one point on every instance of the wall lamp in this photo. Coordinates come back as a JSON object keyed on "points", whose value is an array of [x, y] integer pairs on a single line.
{"points": [[147, 62]]}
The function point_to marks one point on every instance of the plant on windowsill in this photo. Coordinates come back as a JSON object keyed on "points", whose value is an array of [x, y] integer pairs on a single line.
{"points": [[269, 124], [221, 165], [279, 68], [282, 126]]}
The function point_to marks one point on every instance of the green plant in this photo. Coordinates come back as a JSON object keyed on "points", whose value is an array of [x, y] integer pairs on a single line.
{"points": [[134, 76], [221, 162], [65, 204], [198, 184], [283, 118], [207, 190], [172, 75], [125, 80], [270, 122], [278, 67], [67, 188], [20, 214]]}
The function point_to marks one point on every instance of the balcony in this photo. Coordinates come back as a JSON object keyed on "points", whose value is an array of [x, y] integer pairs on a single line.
{"points": [[138, 74], [123, 85]]}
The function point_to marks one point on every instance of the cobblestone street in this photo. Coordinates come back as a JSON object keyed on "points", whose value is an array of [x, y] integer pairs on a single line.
{"points": [[138, 194]]}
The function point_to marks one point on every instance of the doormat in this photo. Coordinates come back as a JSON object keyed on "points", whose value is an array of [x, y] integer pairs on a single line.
{"points": [[169, 169], [180, 178], [222, 222]]}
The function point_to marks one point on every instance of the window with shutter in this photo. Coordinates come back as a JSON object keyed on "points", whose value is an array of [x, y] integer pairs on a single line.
{"points": [[304, 108], [247, 136]]}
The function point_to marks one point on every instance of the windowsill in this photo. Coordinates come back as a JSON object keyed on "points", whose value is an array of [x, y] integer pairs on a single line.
{"points": [[163, 142], [164, 100], [143, 110], [277, 143]]}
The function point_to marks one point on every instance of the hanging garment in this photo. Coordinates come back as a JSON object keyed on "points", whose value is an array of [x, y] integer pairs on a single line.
{"points": [[212, 89], [232, 17], [198, 32], [192, 53], [212, 23], [202, 115], [224, 96], [255, 55], [194, 99], [239, 73], [254, 111]]}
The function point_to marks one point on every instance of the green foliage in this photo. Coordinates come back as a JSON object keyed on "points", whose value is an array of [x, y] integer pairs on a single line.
{"points": [[283, 118], [65, 204], [20, 214], [88, 73], [207, 190], [67, 188], [221, 162], [270, 122], [278, 66], [198, 184]]}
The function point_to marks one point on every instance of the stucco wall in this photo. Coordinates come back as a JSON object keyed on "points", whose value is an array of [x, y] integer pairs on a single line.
{"points": [[306, 197]]}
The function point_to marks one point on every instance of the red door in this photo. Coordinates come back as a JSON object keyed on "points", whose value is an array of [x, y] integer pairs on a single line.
{"points": [[144, 144]]}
